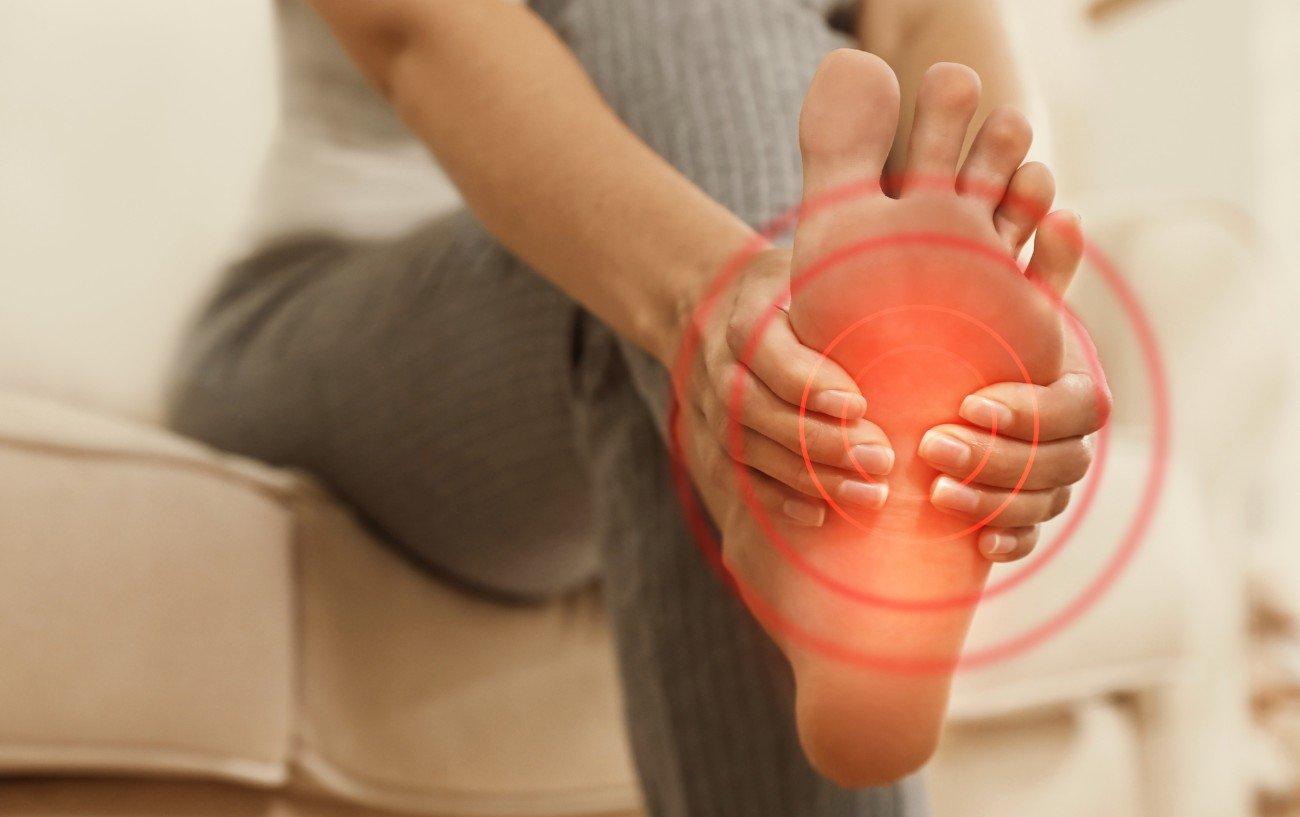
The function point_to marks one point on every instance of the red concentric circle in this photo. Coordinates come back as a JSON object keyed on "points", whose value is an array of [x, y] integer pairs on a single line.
{"points": [[1035, 634]]}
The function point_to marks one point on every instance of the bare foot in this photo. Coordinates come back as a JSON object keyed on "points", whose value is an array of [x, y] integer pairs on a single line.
{"points": [[922, 319]]}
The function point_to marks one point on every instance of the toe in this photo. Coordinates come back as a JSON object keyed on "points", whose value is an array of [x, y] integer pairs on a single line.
{"points": [[1057, 252], [1028, 198], [848, 121], [945, 105], [999, 148]]}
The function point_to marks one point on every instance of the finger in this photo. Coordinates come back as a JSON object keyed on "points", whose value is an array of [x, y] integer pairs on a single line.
{"points": [[1029, 197], [996, 506], [1001, 462], [760, 336], [716, 478], [794, 507], [789, 469], [1007, 544], [1058, 248], [1075, 405], [838, 443]]}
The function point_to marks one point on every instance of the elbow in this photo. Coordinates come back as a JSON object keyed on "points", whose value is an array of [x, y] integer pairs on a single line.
{"points": [[381, 36], [397, 45]]}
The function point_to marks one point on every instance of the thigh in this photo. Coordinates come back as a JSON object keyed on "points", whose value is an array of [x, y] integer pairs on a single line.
{"points": [[713, 86], [426, 380]]}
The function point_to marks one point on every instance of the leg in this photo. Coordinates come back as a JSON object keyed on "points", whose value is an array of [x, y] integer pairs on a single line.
{"points": [[427, 380], [710, 699], [715, 86]]}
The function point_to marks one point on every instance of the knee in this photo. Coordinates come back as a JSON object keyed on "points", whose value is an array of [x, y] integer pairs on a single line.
{"points": [[708, 55], [507, 585], [512, 563]]}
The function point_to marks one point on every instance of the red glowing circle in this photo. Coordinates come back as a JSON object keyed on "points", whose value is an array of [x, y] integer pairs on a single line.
{"points": [[1036, 634], [861, 374], [796, 559], [803, 411]]}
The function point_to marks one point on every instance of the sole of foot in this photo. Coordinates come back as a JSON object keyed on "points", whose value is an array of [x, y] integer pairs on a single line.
{"points": [[919, 297]]}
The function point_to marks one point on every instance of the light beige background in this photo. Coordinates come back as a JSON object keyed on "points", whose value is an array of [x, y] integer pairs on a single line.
{"points": [[1173, 101]]}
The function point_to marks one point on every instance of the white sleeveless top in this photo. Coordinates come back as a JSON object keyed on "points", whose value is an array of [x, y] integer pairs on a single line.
{"points": [[340, 161]]}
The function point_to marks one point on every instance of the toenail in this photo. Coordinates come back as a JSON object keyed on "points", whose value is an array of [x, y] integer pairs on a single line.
{"points": [[843, 404], [951, 494], [940, 449], [873, 459], [984, 412], [864, 494], [809, 513], [997, 544]]}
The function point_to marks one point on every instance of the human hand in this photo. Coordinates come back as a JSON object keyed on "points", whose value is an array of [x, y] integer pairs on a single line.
{"points": [[1070, 411], [772, 380]]}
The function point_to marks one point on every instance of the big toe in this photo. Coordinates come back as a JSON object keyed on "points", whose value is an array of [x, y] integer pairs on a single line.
{"points": [[848, 121], [945, 105]]}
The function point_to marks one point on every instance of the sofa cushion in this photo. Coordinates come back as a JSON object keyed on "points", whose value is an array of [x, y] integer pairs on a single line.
{"points": [[177, 610], [1079, 761], [418, 697]]}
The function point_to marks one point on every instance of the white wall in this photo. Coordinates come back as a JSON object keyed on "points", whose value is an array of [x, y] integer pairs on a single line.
{"points": [[129, 132], [1158, 97], [1276, 127]]}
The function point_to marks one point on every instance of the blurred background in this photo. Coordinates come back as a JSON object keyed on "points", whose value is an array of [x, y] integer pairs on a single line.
{"points": [[130, 137]]}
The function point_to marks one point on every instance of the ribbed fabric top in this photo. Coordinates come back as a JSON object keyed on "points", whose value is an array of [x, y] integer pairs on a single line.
{"points": [[341, 161]]}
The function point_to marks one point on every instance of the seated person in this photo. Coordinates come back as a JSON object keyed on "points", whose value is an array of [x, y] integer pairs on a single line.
{"points": [[489, 387]]}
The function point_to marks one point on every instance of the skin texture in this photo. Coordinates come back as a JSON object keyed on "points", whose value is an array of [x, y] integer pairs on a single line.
{"points": [[640, 243]]}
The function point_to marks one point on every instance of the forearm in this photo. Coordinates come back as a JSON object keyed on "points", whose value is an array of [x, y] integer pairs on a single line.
{"points": [[544, 163], [912, 35]]}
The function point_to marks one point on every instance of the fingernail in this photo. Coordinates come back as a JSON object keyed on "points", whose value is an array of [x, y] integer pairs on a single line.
{"points": [[812, 514], [864, 494], [984, 412], [951, 494], [842, 404], [874, 459], [997, 544], [940, 449]]}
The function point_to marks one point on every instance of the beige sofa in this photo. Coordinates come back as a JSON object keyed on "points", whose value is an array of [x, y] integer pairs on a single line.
{"points": [[187, 633]]}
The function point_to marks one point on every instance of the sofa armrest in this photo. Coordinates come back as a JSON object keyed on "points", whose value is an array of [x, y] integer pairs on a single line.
{"points": [[145, 602], [1189, 267]]}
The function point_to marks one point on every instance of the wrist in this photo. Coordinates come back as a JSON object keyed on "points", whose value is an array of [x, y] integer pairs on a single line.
{"points": [[694, 289]]}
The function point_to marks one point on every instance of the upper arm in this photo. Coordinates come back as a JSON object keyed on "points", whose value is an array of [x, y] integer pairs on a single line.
{"points": [[376, 33]]}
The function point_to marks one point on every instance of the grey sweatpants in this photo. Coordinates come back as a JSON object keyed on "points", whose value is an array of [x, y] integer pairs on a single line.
{"points": [[504, 440]]}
